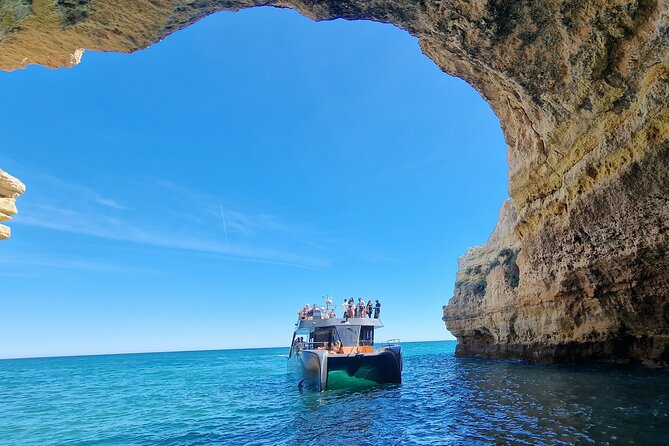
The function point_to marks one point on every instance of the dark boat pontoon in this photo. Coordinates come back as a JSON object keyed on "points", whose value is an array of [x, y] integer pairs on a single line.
{"points": [[325, 345]]}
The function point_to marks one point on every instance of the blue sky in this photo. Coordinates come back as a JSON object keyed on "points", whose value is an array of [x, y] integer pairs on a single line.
{"points": [[194, 195]]}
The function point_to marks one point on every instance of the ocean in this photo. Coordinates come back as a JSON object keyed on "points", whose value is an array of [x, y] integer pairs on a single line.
{"points": [[240, 397]]}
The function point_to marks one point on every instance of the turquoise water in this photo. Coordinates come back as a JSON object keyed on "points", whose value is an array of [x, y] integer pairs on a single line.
{"points": [[237, 397]]}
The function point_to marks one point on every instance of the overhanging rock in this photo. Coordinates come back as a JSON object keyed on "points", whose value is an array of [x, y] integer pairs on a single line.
{"points": [[581, 89]]}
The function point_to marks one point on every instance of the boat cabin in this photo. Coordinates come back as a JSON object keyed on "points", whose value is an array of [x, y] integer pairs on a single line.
{"points": [[355, 335]]}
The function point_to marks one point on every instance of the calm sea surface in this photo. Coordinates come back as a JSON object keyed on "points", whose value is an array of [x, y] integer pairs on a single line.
{"points": [[238, 397]]}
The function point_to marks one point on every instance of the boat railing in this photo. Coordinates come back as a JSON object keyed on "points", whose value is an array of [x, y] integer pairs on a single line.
{"points": [[392, 342], [317, 315], [309, 345], [304, 345]]}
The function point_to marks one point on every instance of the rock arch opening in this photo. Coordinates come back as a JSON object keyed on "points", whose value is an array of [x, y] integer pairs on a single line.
{"points": [[581, 92]]}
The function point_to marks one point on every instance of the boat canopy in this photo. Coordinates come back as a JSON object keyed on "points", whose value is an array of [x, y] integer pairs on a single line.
{"points": [[335, 322]]}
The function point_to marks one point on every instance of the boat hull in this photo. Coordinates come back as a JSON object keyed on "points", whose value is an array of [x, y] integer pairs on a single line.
{"points": [[312, 368], [382, 367]]}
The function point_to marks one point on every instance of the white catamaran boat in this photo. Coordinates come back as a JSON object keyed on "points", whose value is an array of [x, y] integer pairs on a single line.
{"points": [[323, 344]]}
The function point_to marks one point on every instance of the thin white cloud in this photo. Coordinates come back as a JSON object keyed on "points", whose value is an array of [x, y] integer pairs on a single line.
{"points": [[209, 205], [110, 203], [62, 188], [67, 206], [19, 260], [103, 227]]}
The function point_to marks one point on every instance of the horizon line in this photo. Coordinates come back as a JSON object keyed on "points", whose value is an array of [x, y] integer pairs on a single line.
{"points": [[181, 351]]}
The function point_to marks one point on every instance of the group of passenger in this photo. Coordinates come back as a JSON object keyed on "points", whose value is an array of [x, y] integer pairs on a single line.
{"points": [[307, 312], [298, 344], [351, 310], [335, 348], [361, 310]]}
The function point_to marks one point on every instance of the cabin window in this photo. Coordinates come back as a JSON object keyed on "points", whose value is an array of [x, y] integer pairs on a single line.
{"points": [[322, 335], [366, 335]]}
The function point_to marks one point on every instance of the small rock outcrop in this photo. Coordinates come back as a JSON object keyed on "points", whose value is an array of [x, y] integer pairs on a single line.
{"points": [[10, 189], [578, 268]]}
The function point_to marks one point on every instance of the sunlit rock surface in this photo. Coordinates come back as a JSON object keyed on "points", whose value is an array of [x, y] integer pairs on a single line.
{"points": [[10, 188], [581, 89]]}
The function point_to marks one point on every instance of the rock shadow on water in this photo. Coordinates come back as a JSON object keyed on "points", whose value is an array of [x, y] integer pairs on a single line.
{"points": [[557, 403]]}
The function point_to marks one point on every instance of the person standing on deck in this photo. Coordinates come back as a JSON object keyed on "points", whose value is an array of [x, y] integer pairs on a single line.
{"points": [[360, 310], [345, 304], [377, 309], [369, 308]]}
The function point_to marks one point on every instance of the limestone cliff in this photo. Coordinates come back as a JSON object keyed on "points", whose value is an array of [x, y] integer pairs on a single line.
{"points": [[10, 189], [579, 268], [485, 288]]}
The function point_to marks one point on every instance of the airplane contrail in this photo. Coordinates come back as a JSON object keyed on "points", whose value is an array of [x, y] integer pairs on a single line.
{"points": [[225, 227]]}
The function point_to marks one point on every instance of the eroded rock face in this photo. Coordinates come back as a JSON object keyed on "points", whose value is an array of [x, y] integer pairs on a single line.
{"points": [[10, 189], [577, 269]]}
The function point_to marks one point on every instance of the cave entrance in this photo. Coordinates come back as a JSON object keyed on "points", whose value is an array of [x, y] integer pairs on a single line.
{"points": [[248, 162]]}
